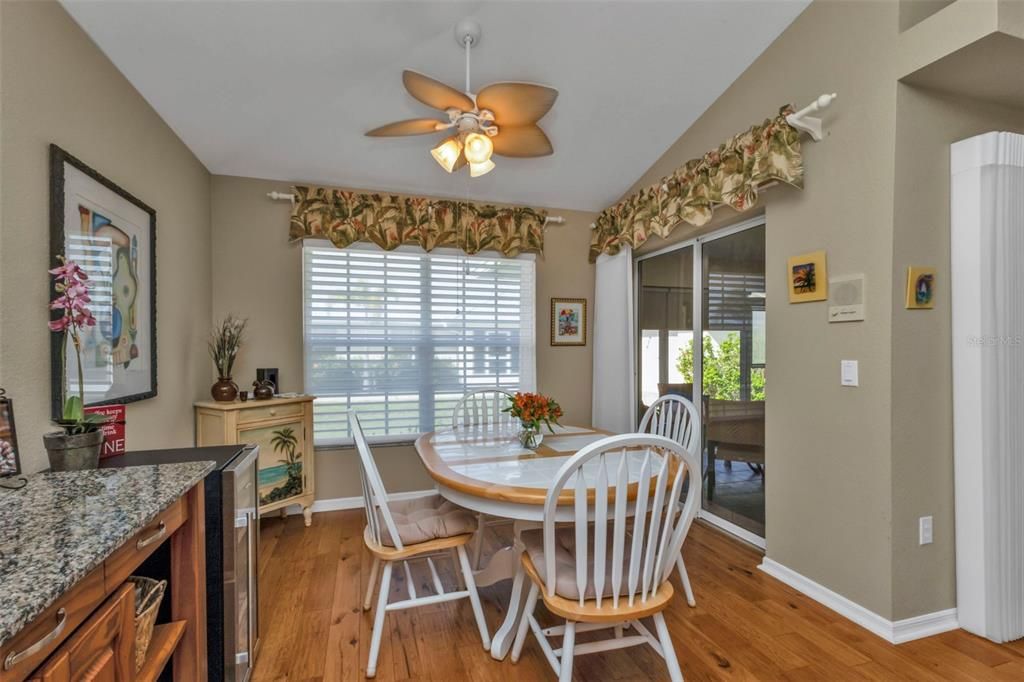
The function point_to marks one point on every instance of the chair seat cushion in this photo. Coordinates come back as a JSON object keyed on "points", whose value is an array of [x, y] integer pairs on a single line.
{"points": [[565, 562], [431, 517]]}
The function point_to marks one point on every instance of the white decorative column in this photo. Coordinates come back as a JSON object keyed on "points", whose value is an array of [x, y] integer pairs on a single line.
{"points": [[987, 254]]}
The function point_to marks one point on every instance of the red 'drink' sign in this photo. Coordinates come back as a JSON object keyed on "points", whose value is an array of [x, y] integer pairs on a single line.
{"points": [[113, 430]]}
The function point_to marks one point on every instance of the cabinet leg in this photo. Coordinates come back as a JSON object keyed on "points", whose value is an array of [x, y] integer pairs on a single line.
{"points": [[307, 513]]}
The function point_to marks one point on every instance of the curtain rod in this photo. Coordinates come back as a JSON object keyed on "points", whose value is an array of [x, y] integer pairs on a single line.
{"points": [[288, 196]]}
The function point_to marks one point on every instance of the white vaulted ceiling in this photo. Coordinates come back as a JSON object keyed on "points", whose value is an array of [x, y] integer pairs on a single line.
{"points": [[285, 90]]}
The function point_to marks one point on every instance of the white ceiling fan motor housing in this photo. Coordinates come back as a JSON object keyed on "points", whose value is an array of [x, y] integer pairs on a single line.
{"points": [[467, 28]]}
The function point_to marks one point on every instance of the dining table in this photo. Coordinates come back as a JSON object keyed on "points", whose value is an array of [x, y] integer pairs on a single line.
{"points": [[485, 469]]}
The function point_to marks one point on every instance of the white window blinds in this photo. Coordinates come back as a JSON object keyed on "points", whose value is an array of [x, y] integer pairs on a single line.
{"points": [[401, 335]]}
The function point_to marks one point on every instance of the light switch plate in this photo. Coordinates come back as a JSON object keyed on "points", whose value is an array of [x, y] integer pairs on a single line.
{"points": [[924, 530], [848, 373]]}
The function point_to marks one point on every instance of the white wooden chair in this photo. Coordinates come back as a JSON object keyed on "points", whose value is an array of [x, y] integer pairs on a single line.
{"points": [[677, 418], [483, 408], [599, 577], [406, 531]]}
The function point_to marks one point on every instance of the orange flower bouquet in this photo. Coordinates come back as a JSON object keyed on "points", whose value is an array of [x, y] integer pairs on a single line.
{"points": [[532, 410]]}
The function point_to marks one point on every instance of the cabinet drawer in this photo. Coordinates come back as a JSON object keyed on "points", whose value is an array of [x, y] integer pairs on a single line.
{"points": [[126, 559], [102, 649], [268, 412], [26, 650]]}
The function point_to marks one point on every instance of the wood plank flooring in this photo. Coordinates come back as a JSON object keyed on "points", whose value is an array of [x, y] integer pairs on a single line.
{"points": [[747, 625]]}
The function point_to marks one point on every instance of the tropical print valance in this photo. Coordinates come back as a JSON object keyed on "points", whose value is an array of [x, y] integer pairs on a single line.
{"points": [[729, 175], [390, 220]]}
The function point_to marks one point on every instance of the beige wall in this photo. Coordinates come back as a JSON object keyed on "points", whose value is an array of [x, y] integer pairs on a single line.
{"points": [[257, 274], [58, 87], [924, 578], [828, 497]]}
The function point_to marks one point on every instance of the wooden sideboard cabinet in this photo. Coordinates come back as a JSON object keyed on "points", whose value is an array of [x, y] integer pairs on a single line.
{"points": [[283, 429]]}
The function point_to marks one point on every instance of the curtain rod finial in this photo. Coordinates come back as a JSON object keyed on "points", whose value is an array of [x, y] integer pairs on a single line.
{"points": [[279, 196], [804, 122]]}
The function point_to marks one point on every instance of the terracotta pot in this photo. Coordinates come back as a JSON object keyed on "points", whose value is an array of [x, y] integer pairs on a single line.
{"points": [[73, 452], [225, 390]]}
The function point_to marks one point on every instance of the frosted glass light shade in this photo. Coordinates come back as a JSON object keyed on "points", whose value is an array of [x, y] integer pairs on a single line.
{"points": [[447, 153], [478, 169], [478, 148]]}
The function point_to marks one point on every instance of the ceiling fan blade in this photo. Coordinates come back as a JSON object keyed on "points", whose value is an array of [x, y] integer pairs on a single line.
{"points": [[412, 126], [522, 141], [516, 104], [435, 93]]}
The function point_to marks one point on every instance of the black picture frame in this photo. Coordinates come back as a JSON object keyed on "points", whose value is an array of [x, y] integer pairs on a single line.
{"points": [[8, 439], [59, 159]]}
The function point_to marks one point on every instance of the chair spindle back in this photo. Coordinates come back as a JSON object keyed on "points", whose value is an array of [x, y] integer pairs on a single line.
{"points": [[674, 417], [375, 497], [483, 408], [646, 534]]}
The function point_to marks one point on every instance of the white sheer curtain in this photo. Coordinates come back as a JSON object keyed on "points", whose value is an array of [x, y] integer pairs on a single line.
{"points": [[614, 402], [987, 249]]}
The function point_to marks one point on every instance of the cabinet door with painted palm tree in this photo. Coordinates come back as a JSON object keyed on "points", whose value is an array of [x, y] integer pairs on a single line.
{"points": [[281, 474]]}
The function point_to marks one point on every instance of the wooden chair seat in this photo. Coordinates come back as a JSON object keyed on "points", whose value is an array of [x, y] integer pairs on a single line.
{"points": [[570, 609]]}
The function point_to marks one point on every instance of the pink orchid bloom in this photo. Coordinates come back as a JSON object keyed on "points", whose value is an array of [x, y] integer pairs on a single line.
{"points": [[58, 325]]}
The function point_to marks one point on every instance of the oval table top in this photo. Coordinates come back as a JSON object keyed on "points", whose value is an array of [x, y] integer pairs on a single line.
{"points": [[484, 468]]}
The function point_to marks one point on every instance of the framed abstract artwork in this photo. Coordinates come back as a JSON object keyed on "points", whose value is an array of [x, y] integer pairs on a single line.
{"points": [[568, 322], [920, 288], [112, 237], [808, 277]]}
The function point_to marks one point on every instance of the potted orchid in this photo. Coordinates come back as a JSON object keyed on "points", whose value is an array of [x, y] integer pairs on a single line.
{"points": [[532, 410], [78, 445]]}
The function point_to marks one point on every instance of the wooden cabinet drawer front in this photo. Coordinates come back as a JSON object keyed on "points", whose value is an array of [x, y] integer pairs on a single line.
{"points": [[123, 561], [102, 649], [71, 609], [268, 412]]}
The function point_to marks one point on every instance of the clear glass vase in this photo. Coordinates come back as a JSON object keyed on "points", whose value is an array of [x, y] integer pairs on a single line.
{"points": [[530, 436]]}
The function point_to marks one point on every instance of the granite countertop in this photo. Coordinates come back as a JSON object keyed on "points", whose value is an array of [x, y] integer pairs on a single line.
{"points": [[60, 526]]}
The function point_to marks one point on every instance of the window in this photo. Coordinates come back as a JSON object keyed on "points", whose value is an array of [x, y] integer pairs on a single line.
{"points": [[401, 335]]}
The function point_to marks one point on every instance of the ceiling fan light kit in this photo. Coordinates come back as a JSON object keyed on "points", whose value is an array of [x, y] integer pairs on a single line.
{"points": [[500, 119]]}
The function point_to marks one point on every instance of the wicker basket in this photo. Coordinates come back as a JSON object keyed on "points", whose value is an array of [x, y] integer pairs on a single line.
{"points": [[148, 595]]}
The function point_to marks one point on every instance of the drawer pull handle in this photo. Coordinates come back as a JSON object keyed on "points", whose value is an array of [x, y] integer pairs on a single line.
{"points": [[14, 659], [146, 542], [273, 412]]}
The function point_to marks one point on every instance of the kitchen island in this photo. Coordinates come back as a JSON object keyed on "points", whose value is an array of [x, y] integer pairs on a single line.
{"points": [[68, 541]]}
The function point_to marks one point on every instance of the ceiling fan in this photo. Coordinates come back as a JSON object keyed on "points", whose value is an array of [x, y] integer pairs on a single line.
{"points": [[500, 119]]}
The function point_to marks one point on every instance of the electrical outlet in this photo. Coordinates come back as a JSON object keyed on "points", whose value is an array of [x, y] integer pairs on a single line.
{"points": [[924, 530]]}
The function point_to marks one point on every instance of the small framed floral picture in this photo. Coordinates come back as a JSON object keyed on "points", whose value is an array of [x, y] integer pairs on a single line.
{"points": [[568, 322]]}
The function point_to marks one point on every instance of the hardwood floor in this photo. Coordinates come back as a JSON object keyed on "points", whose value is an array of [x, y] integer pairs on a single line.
{"points": [[747, 626]]}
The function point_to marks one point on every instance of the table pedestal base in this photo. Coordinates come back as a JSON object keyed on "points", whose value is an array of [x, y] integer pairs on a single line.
{"points": [[501, 643]]}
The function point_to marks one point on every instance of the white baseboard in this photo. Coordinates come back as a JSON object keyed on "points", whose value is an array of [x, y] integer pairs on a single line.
{"points": [[340, 503], [894, 632], [927, 625]]}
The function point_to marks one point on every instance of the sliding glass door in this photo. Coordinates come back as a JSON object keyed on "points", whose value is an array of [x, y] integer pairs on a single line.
{"points": [[665, 321], [717, 282], [733, 376]]}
